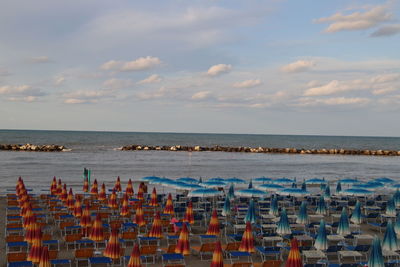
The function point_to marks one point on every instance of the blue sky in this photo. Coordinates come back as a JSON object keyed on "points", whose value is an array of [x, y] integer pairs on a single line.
{"points": [[278, 67]]}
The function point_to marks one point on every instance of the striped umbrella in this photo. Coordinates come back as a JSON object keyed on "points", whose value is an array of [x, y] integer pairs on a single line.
{"points": [[70, 200], [344, 226], [247, 243], [321, 207], [59, 188], [134, 260], [390, 208], [125, 212], [338, 187], [29, 218], [273, 209], [156, 228], [283, 227], [53, 186], [97, 231], [86, 221], [294, 257], [102, 195], [183, 246], [169, 206], [153, 200], [94, 190], [85, 185], [304, 186], [302, 216], [64, 194], [356, 216], [294, 185], [217, 258], [226, 209], [213, 226], [77, 207], [35, 251], [397, 224], [139, 215], [129, 188], [189, 216], [112, 201], [327, 193], [231, 192], [376, 257], [251, 213], [44, 260], [117, 185], [33, 232], [390, 240], [25, 207], [113, 248], [140, 193], [321, 242]]}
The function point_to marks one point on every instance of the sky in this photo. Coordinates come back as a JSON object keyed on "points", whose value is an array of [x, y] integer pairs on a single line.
{"points": [[265, 67]]}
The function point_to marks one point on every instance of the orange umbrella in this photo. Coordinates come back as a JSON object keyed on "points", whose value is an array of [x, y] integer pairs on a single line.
{"points": [[139, 215], [217, 259], [29, 218], [129, 188], [25, 207], [102, 195], [143, 186], [85, 185], [22, 198], [183, 246], [78, 207], [35, 251], [113, 248], [94, 190], [189, 217], [117, 186], [53, 187], [59, 188], [33, 232], [125, 212], [44, 260], [156, 228], [213, 226], [294, 258], [97, 232], [112, 202], [140, 192], [153, 201], [86, 221], [247, 243], [64, 194], [134, 261], [169, 206], [70, 200]]}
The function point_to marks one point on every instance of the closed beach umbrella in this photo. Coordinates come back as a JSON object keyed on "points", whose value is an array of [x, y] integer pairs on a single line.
{"points": [[375, 256], [213, 226], [94, 190], [169, 206], [53, 186], [294, 257], [344, 226], [29, 218], [283, 227], [321, 207], [269, 187], [97, 231], [153, 199], [204, 192], [302, 217], [235, 180], [273, 209], [321, 242], [102, 195], [189, 216], [294, 185], [226, 209], [140, 194], [250, 186], [250, 193], [231, 192], [113, 248], [33, 232], [70, 200], [134, 260], [390, 240], [200, 181], [217, 258], [139, 215], [86, 221], [117, 185], [64, 194], [77, 207], [390, 208], [125, 212], [396, 198], [251, 213], [338, 187], [44, 260], [112, 201], [59, 187], [129, 188], [35, 251], [304, 186], [183, 246], [356, 216], [156, 227], [397, 224], [85, 185], [247, 243], [327, 192], [25, 207], [262, 180]]}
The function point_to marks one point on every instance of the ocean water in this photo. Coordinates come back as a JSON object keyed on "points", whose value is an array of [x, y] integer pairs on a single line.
{"points": [[97, 151]]}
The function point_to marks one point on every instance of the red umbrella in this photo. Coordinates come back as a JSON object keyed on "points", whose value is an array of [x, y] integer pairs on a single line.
{"points": [[29, 218], [294, 257], [129, 188], [25, 207], [102, 195], [247, 244], [70, 200], [183, 246], [35, 251], [189, 217], [169, 206], [117, 186], [134, 261], [156, 228], [153, 201], [217, 259], [78, 207], [94, 190], [112, 202], [139, 215], [44, 260], [85, 185], [140, 194], [64, 194], [213, 227], [125, 212], [97, 232], [33, 232], [59, 188], [53, 187], [86, 221], [113, 248]]}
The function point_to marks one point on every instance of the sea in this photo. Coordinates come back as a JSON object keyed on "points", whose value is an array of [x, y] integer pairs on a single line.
{"points": [[98, 151]]}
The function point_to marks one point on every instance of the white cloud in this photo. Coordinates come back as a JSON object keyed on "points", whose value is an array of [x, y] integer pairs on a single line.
{"points": [[219, 69], [371, 17], [22, 90], [247, 84], [334, 87], [142, 63], [151, 79], [59, 80], [385, 78], [386, 30], [88, 96], [27, 99], [336, 101], [201, 95], [162, 92], [298, 66], [39, 59], [117, 83], [384, 91]]}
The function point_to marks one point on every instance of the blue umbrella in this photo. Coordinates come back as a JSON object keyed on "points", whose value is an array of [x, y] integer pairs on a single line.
{"points": [[395, 185], [321, 242], [396, 198], [349, 181], [250, 193], [185, 186], [344, 225], [304, 186], [297, 192], [321, 207], [187, 180], [204, 192], [338, 187], [283, 181], [231, 192], [262, 179], [200, 181], [315, 181], [251, 213], [273, 209], [226, 210], [149, 178], [294, 185], [162, 181], [390, 208], [302, 217], [356, 216], [376, 257], [269, 187], [322, 186], [397, 224], [283, 227], [235, 180], [356, 192], [390, 239], [213, 184], [369, 185], [327, 193], [218, 179], [250, 186], [384, 180]]}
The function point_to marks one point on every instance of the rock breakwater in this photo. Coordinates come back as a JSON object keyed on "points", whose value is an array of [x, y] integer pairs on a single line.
{"points": [[30, 147]]}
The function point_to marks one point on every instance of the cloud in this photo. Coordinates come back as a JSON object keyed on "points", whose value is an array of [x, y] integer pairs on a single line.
{"points": [[247, 84], [298, 66], [201, 95], [219, 69], [117, 83], [334, 87], [151, 79], [387, 30], [27, 99], [371, 17], [384, 91], [142, 63], [162, 92], [385, 78], [336, 101], [22, 90], [88, 96], [39, 59], [59, 80]]}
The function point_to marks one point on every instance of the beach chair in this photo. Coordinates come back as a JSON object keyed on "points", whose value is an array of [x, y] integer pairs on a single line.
{"points": [[83, 255], [169, 249], [16, 256], [173, 258], [268, 263], [15, 238], [378, 226], [206, 248], [56, 262], [268, 252], [333, 250], [227, 248], [100, 260], [239, 264], [129, 237], [71, 238], [149, 251], [20, 264], [53, 254]]}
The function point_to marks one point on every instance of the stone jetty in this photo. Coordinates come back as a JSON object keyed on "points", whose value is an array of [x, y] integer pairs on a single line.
{"points": [[322, 151], [30, 147]]}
